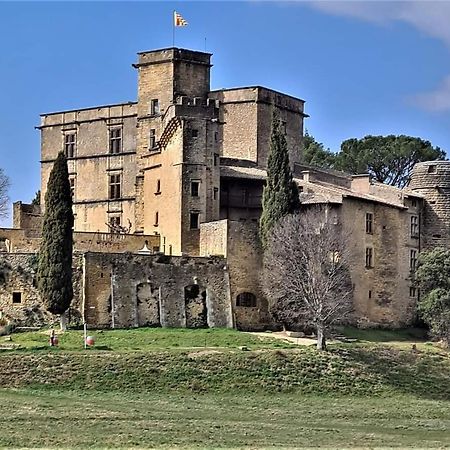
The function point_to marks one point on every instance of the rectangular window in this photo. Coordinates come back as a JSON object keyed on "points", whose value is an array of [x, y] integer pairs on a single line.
{"points": [[114, 187], [215, 193], [152, 139], [72, 186], [195, 185], [154, 107], [414, 203], [414, 226], [194, 133], [156, 219], [369, 223], [115, 140], [432, 169], [70, 145], [17, 297], [158, 187], [193, 223], [216, 159], [412, 291], [412, 260], [114, 221], [369, 257], [370, 294], [216, 136]]}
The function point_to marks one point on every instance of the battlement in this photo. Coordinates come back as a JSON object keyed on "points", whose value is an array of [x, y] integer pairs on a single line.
{"points": [[173, 54]]}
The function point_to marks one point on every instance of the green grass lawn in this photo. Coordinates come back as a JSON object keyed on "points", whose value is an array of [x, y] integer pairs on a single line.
{"points": [[197, 389], [148, 339], [69, 419]]}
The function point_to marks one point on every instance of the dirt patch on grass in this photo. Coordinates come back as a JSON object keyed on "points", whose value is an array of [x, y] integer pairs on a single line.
{"points": [[200, 353]]}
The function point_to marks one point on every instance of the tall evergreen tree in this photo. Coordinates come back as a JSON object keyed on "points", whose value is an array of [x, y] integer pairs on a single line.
{"points": [[280, 195], [55, 255]]}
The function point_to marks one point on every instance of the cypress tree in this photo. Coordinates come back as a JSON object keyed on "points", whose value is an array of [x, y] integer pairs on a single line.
{"points": [[280, 194], [55, 254]]}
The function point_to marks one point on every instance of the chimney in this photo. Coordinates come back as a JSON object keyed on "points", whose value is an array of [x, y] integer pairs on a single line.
{"points": [[361, 183]]}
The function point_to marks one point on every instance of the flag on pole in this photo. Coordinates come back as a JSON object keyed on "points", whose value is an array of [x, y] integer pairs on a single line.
{"points": [[178, 21]]}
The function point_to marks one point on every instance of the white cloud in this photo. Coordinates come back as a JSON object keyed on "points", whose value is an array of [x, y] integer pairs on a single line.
{"points": [[437, 100], [430, 17]]}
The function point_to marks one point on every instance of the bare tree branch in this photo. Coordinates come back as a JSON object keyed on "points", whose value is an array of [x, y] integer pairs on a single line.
{"points": [[306, 273], [4, 199]]}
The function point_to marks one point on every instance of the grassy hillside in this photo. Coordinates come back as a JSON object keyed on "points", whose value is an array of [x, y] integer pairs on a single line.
{"points": [[342, 371], [196, 389]]}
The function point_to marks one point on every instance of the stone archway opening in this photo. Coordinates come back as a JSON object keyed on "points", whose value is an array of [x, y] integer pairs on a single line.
{"points": [[195, 306], [147, 305]]}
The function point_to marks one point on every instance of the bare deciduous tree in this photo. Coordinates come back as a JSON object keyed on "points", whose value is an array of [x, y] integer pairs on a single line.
{"points": [[306, 274], [4, 200]]}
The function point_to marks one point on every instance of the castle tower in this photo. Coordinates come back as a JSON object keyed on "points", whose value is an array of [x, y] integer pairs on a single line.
{"points": [[177, 140], [432, 180]]}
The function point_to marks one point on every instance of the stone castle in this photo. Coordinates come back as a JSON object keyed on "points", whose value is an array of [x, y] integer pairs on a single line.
{"points": [[167, 196]]}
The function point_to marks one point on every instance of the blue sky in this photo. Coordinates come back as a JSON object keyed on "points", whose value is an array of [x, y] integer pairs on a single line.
{"points": [[362, 67]]}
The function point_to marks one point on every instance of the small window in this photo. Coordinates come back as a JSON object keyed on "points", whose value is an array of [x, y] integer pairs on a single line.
{"points": [[215, 193], [216, 136], [216, 159], [370, 295], [412, 260], [195, 185], [194, 219], [115, 140], [114, 187], [72, 186], [412, 291], [284, 126], [246, 299], [154, 107], [70, 145], [414, 226], [194, 133], [156, 219], [17, 297], [414, 203], [152, 139], [432, 169], [369, 223], [114, 221], [369, 257], [158, 187]]}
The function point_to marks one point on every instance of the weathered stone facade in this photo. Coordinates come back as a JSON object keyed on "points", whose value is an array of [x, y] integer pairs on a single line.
{"points": [[432, 181], [183, 169], [129, 290]]}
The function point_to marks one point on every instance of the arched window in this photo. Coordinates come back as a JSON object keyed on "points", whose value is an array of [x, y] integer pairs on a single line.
{"points": [[246, 299]]}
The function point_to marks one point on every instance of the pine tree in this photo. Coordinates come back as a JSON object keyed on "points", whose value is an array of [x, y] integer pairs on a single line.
{"points": [[280, 195], [55, 255]]}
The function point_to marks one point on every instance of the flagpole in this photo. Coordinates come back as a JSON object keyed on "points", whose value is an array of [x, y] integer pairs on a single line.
{"points": [[173, 29]]}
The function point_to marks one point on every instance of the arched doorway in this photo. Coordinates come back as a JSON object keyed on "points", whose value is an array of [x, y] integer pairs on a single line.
{"points": [[195, 306]]}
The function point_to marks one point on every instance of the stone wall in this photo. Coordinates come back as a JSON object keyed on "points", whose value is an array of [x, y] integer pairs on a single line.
{"points": [[239, 241], [20, 301], [382, 295], [132, 290], [92, 163], [246, 115], [28, 217], [19, 241], [432, 180]]}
